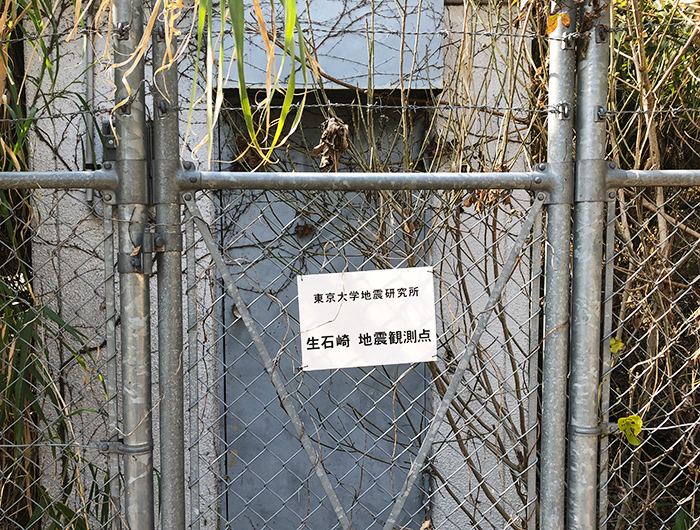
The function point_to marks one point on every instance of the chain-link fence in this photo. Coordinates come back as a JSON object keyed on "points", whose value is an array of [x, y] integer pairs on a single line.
{"points": [[652, 354], [57, 362], [650, 342], [268, 443], [366, 424]]}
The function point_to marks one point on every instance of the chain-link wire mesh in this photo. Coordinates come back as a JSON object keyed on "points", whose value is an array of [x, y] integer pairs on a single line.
{"points": [[652, 343], [57, 363], [650, 340], [247, 466]]}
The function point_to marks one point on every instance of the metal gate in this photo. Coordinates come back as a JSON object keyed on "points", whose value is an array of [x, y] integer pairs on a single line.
{"points": [[245, 437], [362, 429]]}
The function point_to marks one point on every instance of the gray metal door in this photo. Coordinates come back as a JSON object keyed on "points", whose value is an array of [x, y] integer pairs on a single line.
{"points": [[365, 423]]}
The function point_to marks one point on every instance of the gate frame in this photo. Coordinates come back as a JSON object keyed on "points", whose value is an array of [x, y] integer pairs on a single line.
{"points": [[125, 186]]}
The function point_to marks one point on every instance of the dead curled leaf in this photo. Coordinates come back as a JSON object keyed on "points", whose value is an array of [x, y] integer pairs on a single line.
{"points": [[482, 200], [304, 230], [249, 155], [334, 141]]}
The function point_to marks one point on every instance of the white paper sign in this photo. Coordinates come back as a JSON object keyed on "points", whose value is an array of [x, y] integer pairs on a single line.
{"points": [[368, 318]]}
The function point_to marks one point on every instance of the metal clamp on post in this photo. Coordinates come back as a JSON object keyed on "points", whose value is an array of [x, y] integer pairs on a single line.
{"points": [[163, 106], [567, 41], [540, 168], [167, 241], [118, 446], [193, 177], [612, 167], [122, 31], [146, 253], [601, 34], [603, 429], [110, 143], [109, 197], [545, 180], [564, 110], [160, 32], [596, 188], [600, 114], [141, 258]]}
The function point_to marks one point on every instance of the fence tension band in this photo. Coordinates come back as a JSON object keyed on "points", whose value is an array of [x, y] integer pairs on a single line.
{"points": [[451, 392], [282, 393], [604, 429], [118, 446]]}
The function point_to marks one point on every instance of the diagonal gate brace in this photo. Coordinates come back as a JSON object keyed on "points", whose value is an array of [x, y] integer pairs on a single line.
{"points": [[250, 325], [465, 358]]}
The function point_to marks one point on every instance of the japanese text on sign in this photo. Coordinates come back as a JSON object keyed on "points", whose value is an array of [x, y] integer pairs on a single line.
{"points": [[367, 318], [376, 294]]}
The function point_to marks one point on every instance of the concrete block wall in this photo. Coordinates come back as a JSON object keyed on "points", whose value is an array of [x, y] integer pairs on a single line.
{"points": [[484, 71]]}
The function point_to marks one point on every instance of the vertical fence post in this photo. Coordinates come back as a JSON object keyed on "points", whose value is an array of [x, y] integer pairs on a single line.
{"points": [[168, 245], [589, 223], [111, 379], [133, 265], [193, 406], [562, 77], [606, 361], [534, 369]]}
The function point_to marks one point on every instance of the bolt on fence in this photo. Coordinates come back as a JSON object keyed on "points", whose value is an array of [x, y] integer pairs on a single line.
{"points": [[261, 441]]}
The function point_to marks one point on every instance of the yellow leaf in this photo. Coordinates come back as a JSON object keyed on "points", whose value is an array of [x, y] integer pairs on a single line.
{"points": [[11, 154], [631, 426], [552, 23], [565, 19], [616, 345]]}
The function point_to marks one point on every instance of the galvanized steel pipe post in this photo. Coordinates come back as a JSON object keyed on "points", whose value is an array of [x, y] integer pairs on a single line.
{"points": [[589, 223], [560, 164], [104, 179], [168, 248], [134, 264]]}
